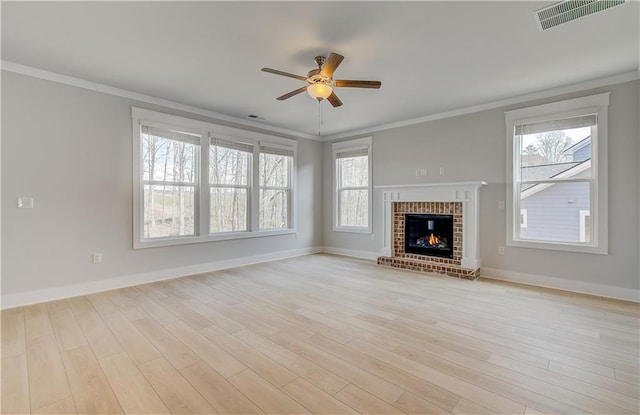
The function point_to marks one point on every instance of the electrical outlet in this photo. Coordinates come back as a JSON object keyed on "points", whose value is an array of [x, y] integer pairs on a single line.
{"points": [[501, 204], [501, 250], [96, 257], [443, 171]]}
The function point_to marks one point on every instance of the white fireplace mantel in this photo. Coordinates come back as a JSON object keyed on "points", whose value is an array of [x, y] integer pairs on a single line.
{"points": [[465, 192]]}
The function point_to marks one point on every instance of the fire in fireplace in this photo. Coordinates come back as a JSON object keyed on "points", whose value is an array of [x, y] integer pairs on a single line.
{"points": [[427, 234]]}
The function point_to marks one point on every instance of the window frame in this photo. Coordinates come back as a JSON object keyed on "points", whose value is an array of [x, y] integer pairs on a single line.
{"points": [[139, 189], [342, 147], [248, 187], [594, 104], [202, 204], [289, 188]]}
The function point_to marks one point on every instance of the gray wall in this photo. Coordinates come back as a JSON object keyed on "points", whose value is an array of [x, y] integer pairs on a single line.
{"points": [[472, 147], [71, 149]]}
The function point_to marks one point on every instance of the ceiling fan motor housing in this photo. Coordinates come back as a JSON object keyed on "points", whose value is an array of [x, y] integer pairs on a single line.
{"points": [[320, 60]]}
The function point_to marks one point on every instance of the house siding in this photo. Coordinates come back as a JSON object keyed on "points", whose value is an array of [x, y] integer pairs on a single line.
{"points": [[583, 154], [554, 213]]}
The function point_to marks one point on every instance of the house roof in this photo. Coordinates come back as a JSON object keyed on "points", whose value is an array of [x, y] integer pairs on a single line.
{"points": [[564, 170], [544, 171], [577, 146], [547, 171]]}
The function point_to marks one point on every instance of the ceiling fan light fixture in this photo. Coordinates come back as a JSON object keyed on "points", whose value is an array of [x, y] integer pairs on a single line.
{"points": [[319, 91]]}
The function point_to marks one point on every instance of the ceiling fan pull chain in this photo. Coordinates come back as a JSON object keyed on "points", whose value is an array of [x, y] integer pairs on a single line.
{"points": [[319, 116]]}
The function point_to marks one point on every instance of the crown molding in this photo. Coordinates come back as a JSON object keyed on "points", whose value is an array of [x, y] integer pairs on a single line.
{"points": [[94, 86], [123, 93]]}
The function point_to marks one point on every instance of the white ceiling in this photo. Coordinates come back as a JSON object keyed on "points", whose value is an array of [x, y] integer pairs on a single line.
{"points": [[432, 57]]}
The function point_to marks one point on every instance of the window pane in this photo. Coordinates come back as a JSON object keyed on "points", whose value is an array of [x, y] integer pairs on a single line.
{"points": [[274, 170], [553, 153], [554, 212], [354, 208], [228, 210], [228, 166], [354, 171], [273, 209], [168, 160], [168, 211]]}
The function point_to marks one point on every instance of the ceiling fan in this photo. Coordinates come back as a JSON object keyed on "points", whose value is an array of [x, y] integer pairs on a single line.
{"points": [[321, 82]]}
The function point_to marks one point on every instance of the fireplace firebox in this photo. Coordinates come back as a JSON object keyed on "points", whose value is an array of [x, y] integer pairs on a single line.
{"points": [[427, 234]]}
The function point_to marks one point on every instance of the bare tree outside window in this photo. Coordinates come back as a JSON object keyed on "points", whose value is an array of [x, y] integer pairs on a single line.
{"points": [[548, 148], [197, 182], [275, 173], [352, 185], [229, 178], [169, 169], [353, 191]]}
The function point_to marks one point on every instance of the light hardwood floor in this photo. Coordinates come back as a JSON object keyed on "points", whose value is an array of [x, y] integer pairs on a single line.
{"points": [[322, 334]]}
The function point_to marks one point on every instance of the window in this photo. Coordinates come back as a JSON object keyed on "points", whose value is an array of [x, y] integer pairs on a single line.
{"points": [[229, 176], [198, 182], [352, 180], [275, 186], [169, 178], [558, 164]]}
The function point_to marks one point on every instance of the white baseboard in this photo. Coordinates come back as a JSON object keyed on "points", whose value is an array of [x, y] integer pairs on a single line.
{"points": [[581, 287], [74, 290], [351, 253], [57, 293]]}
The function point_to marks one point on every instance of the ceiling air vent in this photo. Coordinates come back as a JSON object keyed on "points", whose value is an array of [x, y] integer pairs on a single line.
{"points": [[567, 11]]}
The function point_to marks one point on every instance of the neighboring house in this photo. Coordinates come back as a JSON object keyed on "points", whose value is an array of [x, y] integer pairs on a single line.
{"points": [[559, 212]]}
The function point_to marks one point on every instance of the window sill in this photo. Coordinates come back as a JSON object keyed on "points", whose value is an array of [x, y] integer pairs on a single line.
{"points": [[560, 246], [348, 229], [226, 236]]}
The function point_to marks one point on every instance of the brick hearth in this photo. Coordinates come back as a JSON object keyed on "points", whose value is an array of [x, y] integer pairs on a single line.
{"points": [[423, 263]]}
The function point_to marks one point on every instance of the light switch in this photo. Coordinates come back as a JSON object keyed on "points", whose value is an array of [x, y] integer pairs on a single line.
{"points": [[25, 203]]}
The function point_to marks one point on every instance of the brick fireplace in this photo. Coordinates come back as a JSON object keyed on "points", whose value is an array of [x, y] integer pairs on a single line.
{"points": [[458, 200]]}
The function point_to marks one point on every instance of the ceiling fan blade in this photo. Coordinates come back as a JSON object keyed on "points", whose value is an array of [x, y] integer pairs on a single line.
{"points": [[334, 100], [331, 65], [346, 83], [292, 93], [290, 75]]}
